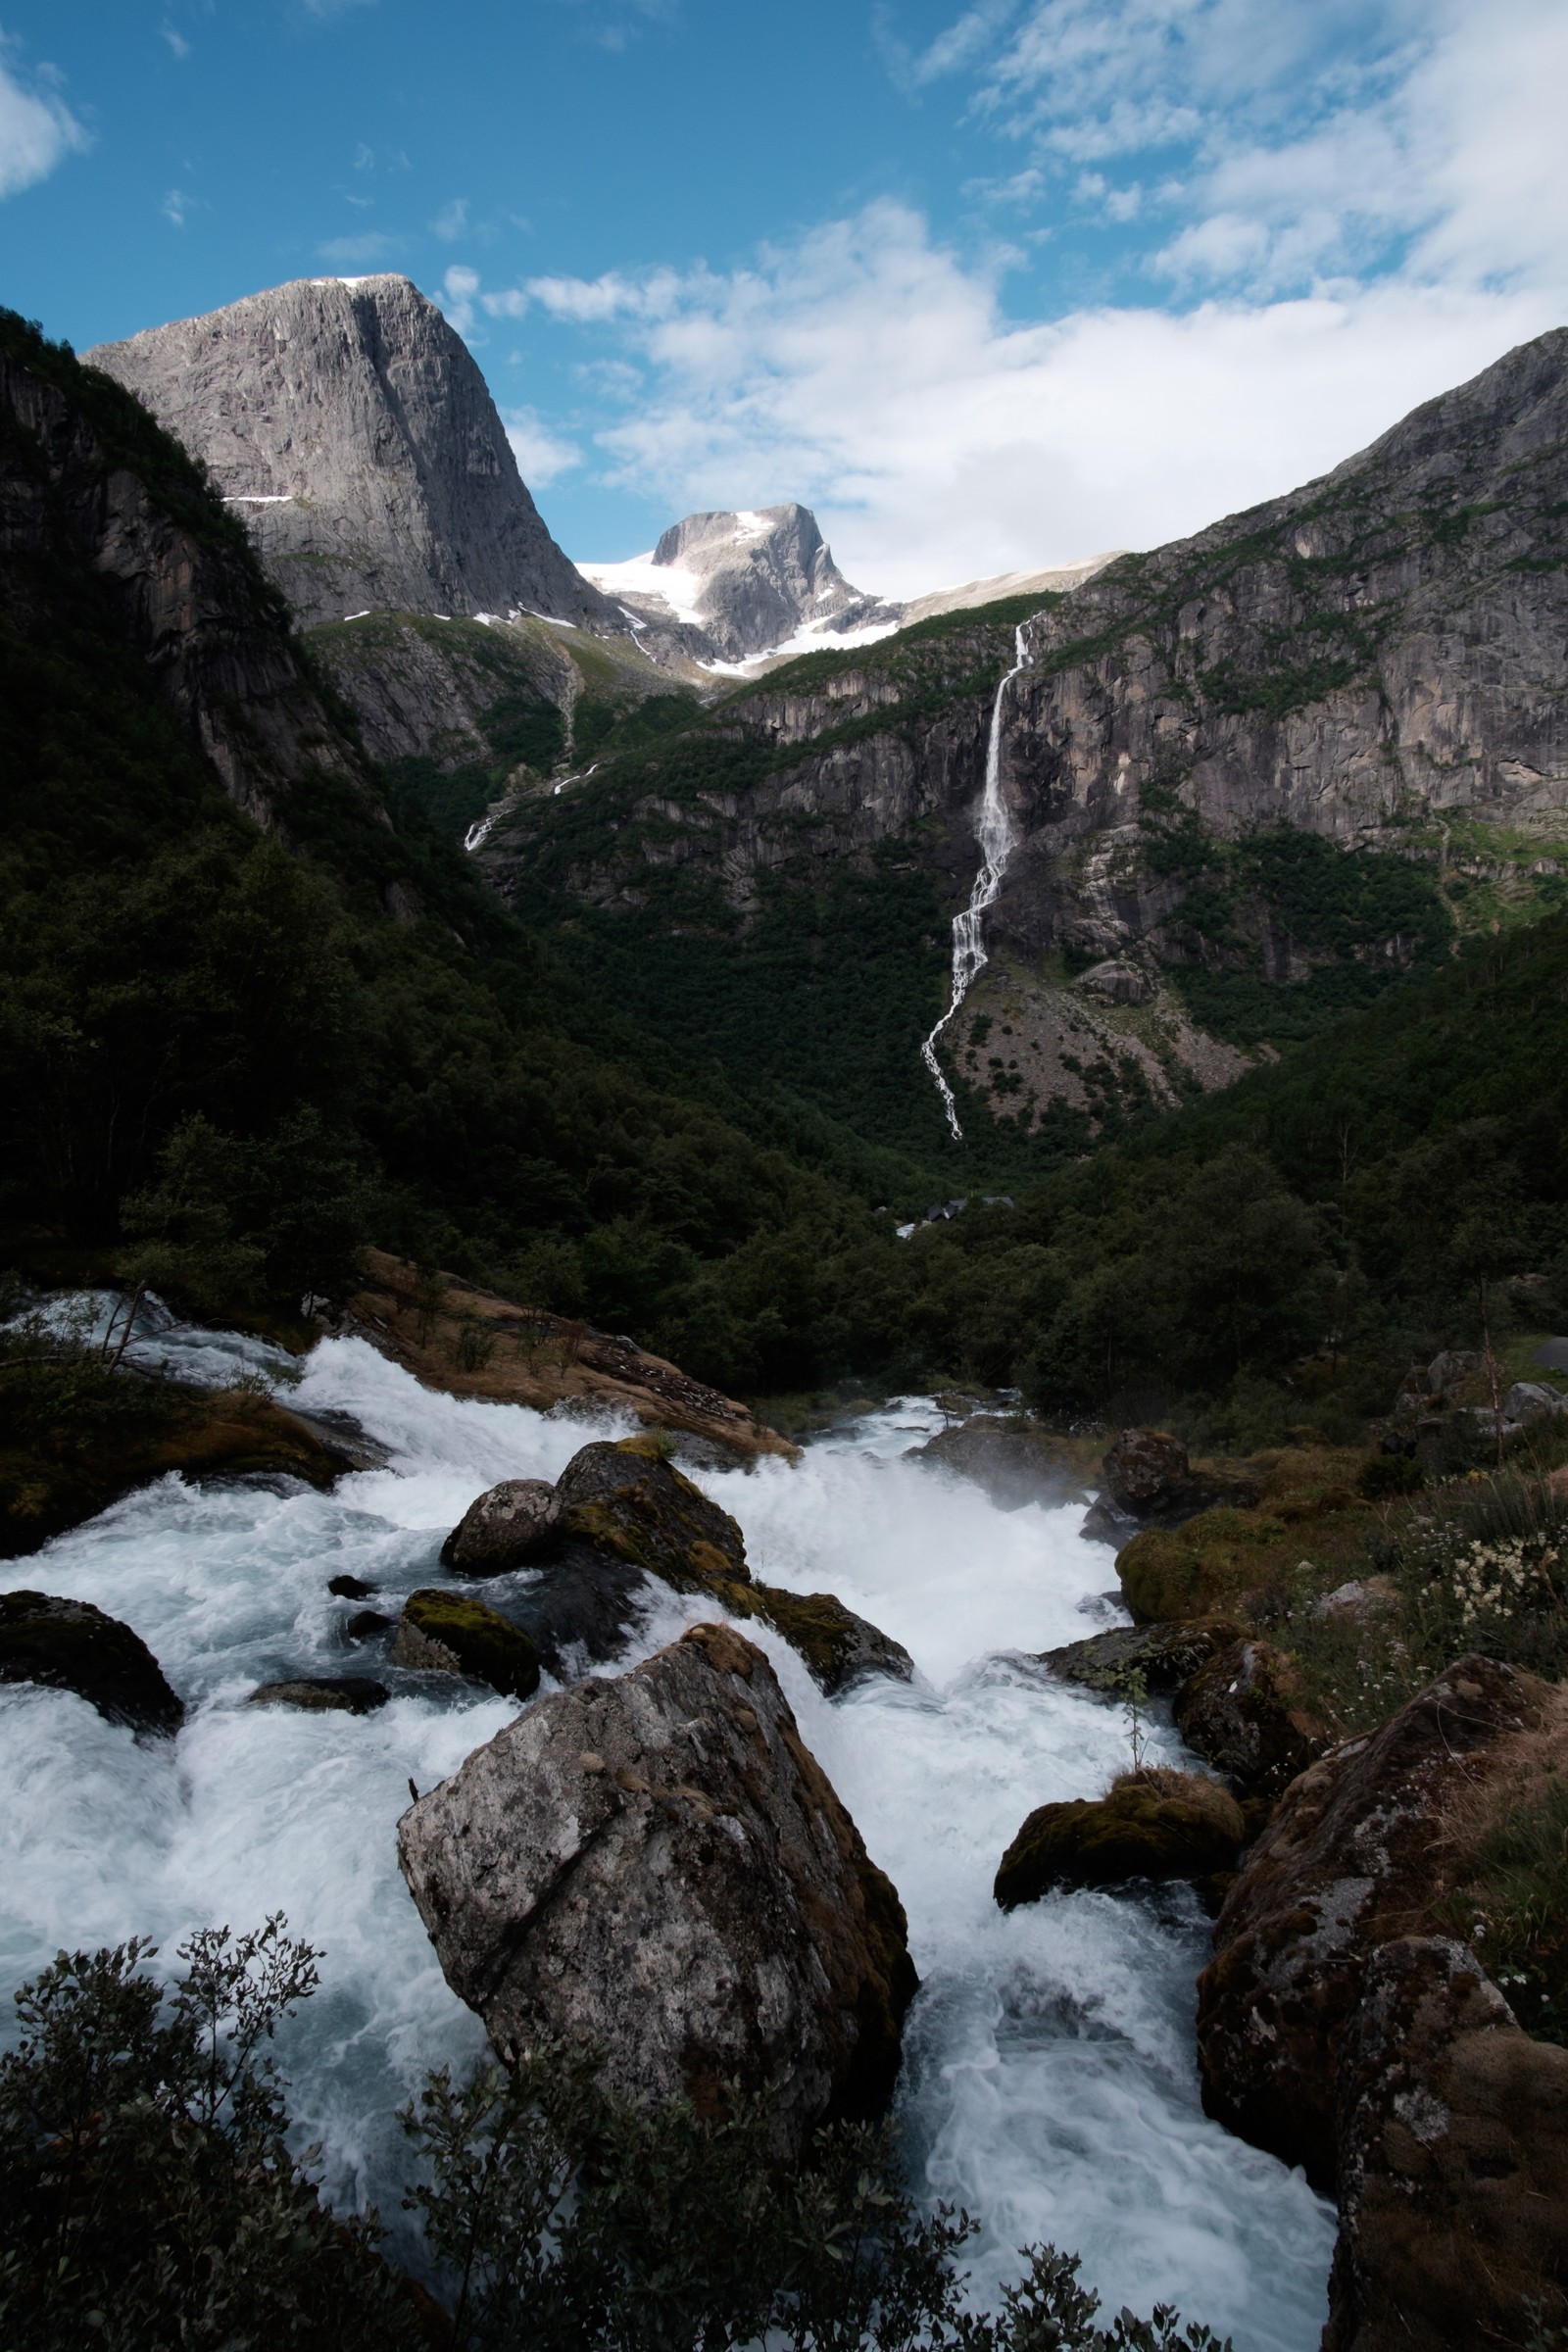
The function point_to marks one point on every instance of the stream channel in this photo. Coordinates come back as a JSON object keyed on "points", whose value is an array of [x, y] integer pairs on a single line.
{"points": [[1049, 2081]]}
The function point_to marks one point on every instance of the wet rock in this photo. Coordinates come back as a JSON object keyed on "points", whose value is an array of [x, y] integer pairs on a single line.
{"points": [[368, 1625], [69, 1645], [627, 1499], [1356, 1855], [349, 1588], [1148, 1479], [504, 1528], [1454, 2163], [1162, 1655], [839, 1649], [1151, 1825], [585, 1604], [446, 1633], [323, 1693], [1011, 1460], [1242, 1713], [658, 1867]]}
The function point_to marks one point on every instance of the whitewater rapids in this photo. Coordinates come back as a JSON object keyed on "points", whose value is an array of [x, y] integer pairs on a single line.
{"points": [[1050, 2084]]}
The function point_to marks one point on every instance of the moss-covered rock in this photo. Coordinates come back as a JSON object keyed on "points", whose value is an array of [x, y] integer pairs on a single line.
{"points": [[628, 1499], [1244, 1714], [839, 1649], [1150, 1825], [446, 1632], [1196, 1570], [69, 1645], [324, 1695], [1161, 1656]]}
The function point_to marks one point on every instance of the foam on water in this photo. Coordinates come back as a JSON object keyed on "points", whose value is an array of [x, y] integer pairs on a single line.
{"points": [[1050, 2084]]}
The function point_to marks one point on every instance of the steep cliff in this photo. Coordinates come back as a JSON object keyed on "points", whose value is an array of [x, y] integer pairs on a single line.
{"points": [[347, 424], [1258, 777], [93, 500]]}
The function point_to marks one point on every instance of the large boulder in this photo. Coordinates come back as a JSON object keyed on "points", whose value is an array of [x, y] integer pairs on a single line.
{"points": [[1160, 1656], [1357, 1854], [69, 1645], [504, 1528], [446, 1632], [1454, 2163], [1155, 1824], [628, 1499], [1201, 1569], [1011, 1459], [582, 1606], [1243, 1712], [1150, 1479], [837, 1648], [656, 1867]]}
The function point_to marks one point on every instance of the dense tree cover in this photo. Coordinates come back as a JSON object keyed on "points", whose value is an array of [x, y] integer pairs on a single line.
{"points": [[148, 2198]]}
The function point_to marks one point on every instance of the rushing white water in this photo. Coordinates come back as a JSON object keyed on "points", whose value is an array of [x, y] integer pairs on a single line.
{"points": [[998, 837], [1049, 2082]]}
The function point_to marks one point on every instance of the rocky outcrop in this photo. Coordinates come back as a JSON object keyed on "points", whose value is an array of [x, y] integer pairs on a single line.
{"points": [[656, 1868], [446, 1633], [1153, 1824], [737, 586], [90, 485], [1359, 1854], [1156, 1656], [1454, 2164], [1012, 1460], [1152, 1481], [626, 1498], [323, 1693], [1244, 1713], [69, 1645], [350, 426], [504, 1528]]}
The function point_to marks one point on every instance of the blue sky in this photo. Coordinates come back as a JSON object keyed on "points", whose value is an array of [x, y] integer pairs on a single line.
{"points": [[989, 286]]}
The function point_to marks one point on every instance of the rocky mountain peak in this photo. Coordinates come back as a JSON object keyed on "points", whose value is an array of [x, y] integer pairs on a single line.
{"points": [[351, 427], [747, 581]]}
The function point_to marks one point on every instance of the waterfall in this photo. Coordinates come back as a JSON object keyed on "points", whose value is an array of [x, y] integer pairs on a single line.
{"points": [[997, 839]]}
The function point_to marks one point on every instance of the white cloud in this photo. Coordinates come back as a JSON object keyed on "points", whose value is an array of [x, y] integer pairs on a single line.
{"points": [[174, 207], [450, 220], [37, 131], [355, 252], [459, 286], [176, 41], [542, 456]]}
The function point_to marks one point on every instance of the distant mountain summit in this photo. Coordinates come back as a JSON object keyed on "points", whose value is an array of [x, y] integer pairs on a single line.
{"points": [[349, 424], [748, 583]]}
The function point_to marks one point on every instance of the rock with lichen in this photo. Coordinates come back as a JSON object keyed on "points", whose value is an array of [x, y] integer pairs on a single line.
{"points": [[446, 1632], [656, 1868]]}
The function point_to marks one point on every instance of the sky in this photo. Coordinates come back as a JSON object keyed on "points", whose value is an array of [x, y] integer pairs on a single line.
{"points": [[989, 287]]}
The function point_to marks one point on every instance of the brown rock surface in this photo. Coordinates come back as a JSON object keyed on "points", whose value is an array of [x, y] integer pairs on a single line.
{"points": [[1454, 2164], [1150, 1825], [1359, 1853], [657, 1866], [1242, 1713], [629, 1500]]}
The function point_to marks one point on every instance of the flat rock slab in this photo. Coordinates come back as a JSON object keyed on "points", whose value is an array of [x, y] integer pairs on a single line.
{"points": [[657, 1868]]}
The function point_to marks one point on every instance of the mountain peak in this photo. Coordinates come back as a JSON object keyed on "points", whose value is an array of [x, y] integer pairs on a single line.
{"points": [[350, 426]]}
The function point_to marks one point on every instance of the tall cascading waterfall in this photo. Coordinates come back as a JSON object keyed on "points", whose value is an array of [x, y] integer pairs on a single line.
{"points": [[997, 838]]}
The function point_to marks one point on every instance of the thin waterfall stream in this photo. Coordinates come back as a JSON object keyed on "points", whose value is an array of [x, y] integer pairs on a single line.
{"points": [[1049, 2079], [998, 837]]}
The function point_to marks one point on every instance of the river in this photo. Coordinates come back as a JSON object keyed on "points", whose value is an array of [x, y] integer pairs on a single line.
{"points": [[1049, 2082]]}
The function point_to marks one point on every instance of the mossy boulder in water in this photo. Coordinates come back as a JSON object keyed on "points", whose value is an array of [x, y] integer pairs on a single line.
{"points": [[446, 1632], [1161, 1656], [1150, 1825], [69, 1645], [504, 1528], [629, 1500], [324, 1695], [838, 1647]]}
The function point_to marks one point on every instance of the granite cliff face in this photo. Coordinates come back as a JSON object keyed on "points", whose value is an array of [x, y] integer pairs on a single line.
{"points": [[82, 492], [349, 425], [1254, 775], [728, 587]]}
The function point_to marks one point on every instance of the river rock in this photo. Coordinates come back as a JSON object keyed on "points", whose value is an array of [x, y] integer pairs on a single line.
{"points": [[1242, 1713], [1454, 2163], [582, 1606], [1010, 1459], [323, 1693], [504, 1528], [657, 1868], [1356, 1855], [69, 1645], [446, 1632], [1155, 1824], [839, 1649], [627, 1499], [1164, 1655], [349, 1588], [1149, 1480]]}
